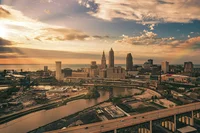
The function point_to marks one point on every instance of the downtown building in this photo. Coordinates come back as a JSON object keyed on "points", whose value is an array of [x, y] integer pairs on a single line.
{"points": [[111, 72], [59, 75], [188, 67], [165, 67], [129, 62], [103, 61]]}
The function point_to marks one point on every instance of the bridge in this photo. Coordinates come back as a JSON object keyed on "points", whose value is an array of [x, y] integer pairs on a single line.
{"points": [[115, 85], [149, 117]]}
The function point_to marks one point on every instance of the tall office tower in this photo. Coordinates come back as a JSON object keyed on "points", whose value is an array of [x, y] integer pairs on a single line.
{"points": [[45, 68], [129, 62], [188, 66], [58, 70], [165, 67], [111, 58], [103, 61], [150, 61]]}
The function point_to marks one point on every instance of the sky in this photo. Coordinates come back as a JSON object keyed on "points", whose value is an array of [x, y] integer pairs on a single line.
{"points": [[78, 31]]}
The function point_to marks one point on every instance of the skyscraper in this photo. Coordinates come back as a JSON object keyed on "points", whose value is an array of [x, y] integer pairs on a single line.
{"points": [[165, 67], [103, 61], [150, 61], [111, 58], [58, 70], [188, 66], [129, 62]]}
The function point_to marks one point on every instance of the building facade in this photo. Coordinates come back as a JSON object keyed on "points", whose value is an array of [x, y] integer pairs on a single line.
{"points": [[93, 65], [116, 73], [103, 61], [129, 62], [111, 58], [58, 70], [165, 67], [188, 66], [46, 68], [67, 72], [103, 73], [150, 61], [80, 74]]}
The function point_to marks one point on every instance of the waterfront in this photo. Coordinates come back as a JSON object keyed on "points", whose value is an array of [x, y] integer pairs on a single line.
{"points": [[38, 119], [35, 67], [125, 91]]}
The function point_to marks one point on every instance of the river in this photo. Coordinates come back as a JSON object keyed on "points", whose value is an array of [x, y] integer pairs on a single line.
{"points": [[44, 117], [40, 118]]}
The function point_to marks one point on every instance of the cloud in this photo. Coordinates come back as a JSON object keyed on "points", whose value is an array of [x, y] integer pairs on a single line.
{"points": [[143, 11], [146, 38], [101, 37], [32, 29], [17, 52], [36, 30], [4, 42], [4, 13], [151, 26], [61, 34], [191, 43]]}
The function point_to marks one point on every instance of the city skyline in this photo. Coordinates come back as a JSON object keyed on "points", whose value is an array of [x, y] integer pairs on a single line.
{"points": [[50, 30]]}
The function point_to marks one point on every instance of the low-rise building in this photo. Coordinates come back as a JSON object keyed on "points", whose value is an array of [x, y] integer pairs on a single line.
{"points": [[80, 74], [116, 73]]}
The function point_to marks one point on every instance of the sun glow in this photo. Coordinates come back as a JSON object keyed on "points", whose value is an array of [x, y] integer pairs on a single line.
{"points": [[3, 32]]}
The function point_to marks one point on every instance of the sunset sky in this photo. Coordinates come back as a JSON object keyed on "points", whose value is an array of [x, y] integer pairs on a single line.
{"points": [[77, 31]]}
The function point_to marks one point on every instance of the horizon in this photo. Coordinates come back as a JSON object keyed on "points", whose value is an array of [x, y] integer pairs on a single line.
{"points": [[78, 31]]}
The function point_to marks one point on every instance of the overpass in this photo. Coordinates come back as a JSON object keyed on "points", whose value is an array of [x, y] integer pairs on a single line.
{"points": [[114, 125], [113, 85]]}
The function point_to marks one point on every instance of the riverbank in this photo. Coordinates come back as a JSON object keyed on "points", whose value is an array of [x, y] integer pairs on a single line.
{"points": [[41, 107], [66, 120], [44, 117]]}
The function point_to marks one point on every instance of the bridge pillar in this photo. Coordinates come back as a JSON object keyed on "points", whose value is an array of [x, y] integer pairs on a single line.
{"points": [[198, 115], [163, 124], [170, 126], [192, 119], [187, 120], [173, 127], [166, 124], [174, 123], [151, 127]]}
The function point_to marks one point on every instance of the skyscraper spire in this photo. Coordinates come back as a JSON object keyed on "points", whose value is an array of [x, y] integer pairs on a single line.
{"points": [[103, 56], [111, 58], [103, 61]]}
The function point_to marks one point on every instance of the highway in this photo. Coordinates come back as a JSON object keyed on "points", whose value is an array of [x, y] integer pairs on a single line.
{"points": [[130, 120]]}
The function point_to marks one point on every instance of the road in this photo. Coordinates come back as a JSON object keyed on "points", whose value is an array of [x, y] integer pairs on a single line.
{"points": [[130, 120]]}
